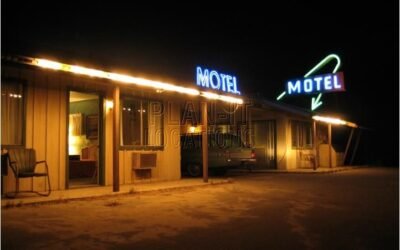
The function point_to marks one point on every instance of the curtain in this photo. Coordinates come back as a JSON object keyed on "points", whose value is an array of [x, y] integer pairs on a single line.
{"points": [[75, 124], [12, 113]]}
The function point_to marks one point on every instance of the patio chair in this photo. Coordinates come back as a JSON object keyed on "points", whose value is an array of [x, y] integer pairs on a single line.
{"points": [[23, 164]]}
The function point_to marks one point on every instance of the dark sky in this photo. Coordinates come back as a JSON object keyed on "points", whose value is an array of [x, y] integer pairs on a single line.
{"points": [[262, 45]]}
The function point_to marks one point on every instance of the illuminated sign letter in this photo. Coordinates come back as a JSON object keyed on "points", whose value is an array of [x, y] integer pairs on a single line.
{"points": [[327, 82], [336, 84], [230, 84], [318, 82], [202, 77], [215, 84], [294, 88], [308, 85], [235, 91]]}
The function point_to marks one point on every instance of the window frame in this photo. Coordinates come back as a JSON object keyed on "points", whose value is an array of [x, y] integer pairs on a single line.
{"points": [[301, 127], [141, 147]]}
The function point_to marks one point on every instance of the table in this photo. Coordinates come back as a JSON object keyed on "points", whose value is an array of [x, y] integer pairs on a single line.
{"points": [[4, 170]]}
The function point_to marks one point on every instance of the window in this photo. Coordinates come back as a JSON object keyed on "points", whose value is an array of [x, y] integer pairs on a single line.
{"points": [[301, 134], [12, 113], [142, 122]]}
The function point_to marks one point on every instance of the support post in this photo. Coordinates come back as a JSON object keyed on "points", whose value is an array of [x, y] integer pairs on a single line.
{"points": [[348, 146], [204, 141], [116, 134], [355, 148], [316, 155], [330, 144]]}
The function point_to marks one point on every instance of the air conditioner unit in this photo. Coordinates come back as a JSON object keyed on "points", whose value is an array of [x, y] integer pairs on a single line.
{"points": [[144, 160]]}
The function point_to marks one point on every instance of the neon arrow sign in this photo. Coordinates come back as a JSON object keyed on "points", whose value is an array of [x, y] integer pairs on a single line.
{"points": [[316, 102]]}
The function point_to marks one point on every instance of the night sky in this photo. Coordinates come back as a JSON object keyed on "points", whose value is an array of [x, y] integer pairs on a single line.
{"points": [[262, 45]]}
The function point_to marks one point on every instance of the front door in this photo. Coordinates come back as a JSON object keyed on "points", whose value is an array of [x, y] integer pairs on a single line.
{"points": [[265, 143], [84, 139]]}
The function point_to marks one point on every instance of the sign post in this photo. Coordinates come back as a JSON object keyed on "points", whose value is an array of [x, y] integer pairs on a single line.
{"points": [[204, 141]]}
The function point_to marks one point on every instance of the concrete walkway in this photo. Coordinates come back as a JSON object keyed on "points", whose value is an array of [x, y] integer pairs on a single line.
{"points": [[151, 186], [26, 198], [296, 171]]}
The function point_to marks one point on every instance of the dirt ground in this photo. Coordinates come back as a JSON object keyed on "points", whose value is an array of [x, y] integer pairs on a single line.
{"points": [[354, 209]]}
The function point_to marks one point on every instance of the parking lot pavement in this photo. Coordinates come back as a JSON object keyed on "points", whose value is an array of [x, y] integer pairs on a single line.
{"points": [[355, 209]]}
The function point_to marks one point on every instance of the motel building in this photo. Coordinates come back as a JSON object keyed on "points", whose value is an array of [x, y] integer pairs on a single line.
{"points": [[99, 128]]}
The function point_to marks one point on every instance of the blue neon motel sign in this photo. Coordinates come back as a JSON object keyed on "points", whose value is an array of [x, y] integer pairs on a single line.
{"points": [[217, 81], [319, 83]]}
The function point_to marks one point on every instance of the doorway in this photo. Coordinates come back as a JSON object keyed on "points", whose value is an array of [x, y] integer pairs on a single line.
{"points": [[84, 139], [264, 139]]}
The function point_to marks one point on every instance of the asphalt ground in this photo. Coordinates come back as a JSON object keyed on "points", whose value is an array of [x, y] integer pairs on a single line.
{"points": [[354, 209]]}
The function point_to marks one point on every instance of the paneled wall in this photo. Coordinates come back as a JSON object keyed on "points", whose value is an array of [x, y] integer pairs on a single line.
{"points": [[45, 126], [46, 129], [46, 121]]}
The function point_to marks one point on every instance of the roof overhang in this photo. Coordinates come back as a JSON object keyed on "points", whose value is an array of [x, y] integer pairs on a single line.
{"points": [[121, 78], [334, 121]]}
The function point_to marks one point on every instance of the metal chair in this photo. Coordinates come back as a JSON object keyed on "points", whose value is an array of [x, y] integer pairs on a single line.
{"points": [[23, 164]]}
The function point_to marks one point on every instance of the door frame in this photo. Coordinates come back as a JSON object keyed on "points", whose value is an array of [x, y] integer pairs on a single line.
{"points": [[274, 141], [101, 134]]}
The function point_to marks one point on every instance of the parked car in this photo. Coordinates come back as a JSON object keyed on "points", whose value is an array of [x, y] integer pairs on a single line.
{"points": [[225, 151]]}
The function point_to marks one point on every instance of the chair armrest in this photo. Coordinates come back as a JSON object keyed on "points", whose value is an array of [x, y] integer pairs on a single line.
{"points": [[45, 164]]}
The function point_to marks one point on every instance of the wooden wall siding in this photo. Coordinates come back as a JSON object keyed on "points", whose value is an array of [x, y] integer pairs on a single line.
{"points": [[169, 160], [286, 157], [45, 128], [294, 160], [126, 173], [291, 162], [40, 115], [121, 169], [62, 135], [337, 158], [171, 157], [281, 140], [53, 135]]}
